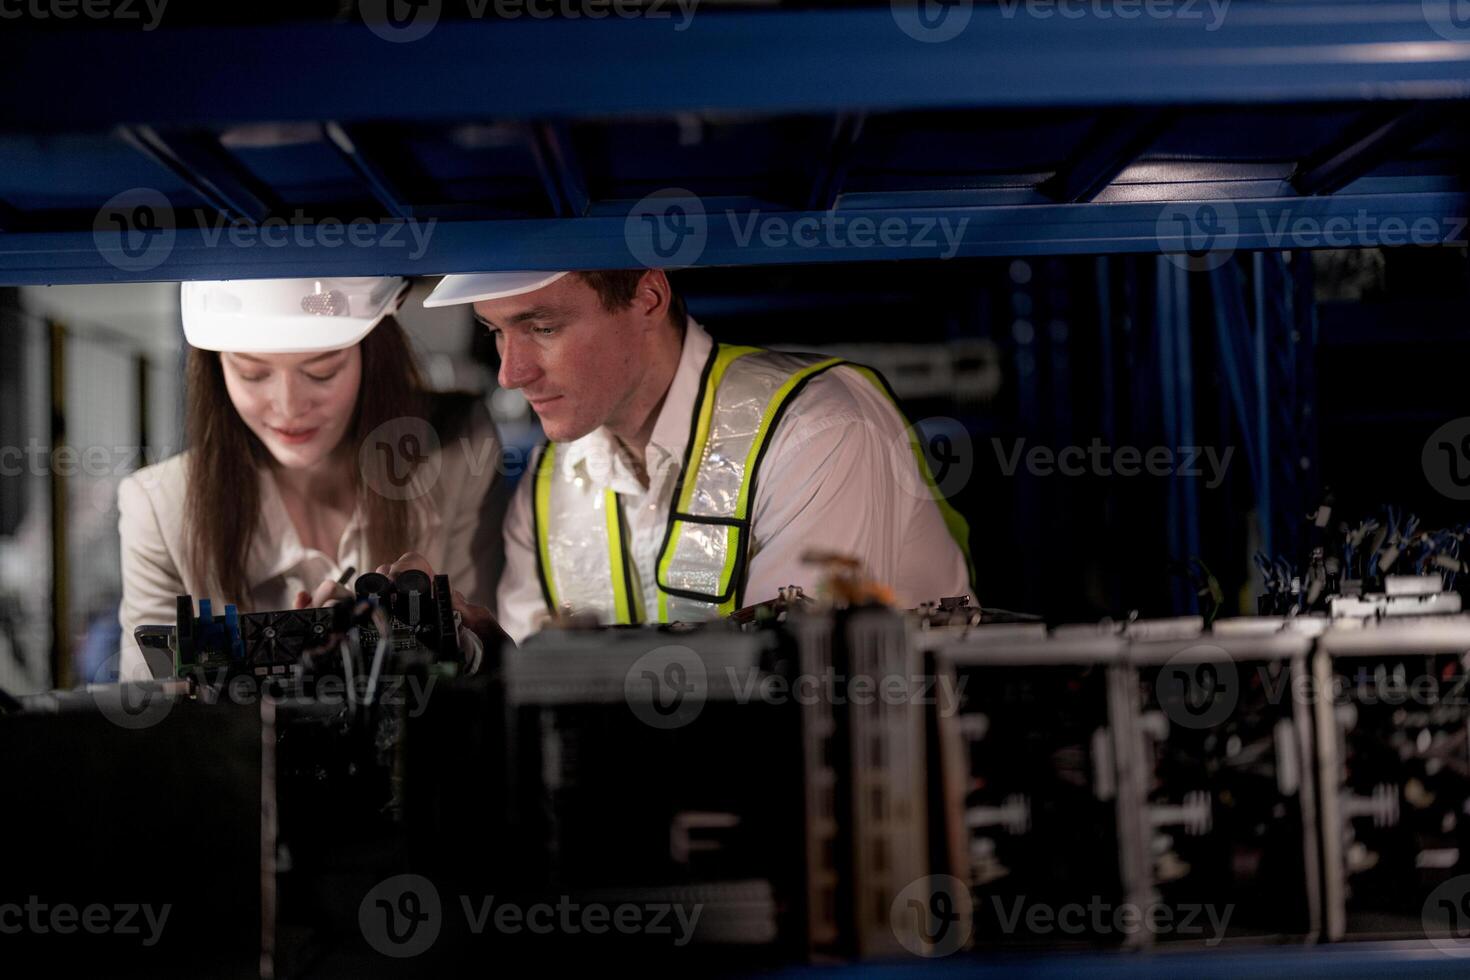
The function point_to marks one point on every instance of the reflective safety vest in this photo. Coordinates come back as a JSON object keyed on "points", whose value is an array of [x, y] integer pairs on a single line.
{"points": [[582, 544]]}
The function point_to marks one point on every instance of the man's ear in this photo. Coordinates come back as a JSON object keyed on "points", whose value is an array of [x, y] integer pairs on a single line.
{"points": [[653, 296]]}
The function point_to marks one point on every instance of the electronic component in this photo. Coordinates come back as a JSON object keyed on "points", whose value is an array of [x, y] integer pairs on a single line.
{"points": [[419, 616]]}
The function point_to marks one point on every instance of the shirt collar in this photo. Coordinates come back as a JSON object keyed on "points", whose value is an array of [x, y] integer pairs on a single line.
{"points": [[597, 452], [276, 547]]}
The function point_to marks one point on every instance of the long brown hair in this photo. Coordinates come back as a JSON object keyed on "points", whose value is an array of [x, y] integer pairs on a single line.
{"points": [[222, 508]]}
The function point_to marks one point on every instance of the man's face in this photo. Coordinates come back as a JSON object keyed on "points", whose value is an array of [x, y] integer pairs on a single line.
{"points": [[577, 363]]}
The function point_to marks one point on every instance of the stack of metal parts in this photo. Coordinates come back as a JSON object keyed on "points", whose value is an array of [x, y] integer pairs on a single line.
{"points": [[734, 770], [1269, 778], [849, 784]]}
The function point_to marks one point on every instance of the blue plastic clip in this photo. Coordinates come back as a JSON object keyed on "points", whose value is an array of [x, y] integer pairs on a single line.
{"points": [[232, 632]]}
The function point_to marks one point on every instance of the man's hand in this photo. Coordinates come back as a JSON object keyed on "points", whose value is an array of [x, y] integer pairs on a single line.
{"points": [[475, 618], [409, 559]]}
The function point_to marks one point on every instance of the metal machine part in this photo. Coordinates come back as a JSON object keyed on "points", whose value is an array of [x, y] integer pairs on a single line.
{"points": [[1393, 731], [1025, 774], [1226, 819]]}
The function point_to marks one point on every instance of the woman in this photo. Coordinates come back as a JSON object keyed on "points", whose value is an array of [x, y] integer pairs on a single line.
{"points": [[312, 449]]}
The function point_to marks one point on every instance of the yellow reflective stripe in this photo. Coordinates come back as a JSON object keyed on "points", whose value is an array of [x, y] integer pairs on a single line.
{"points": [[662, 572], [727, 355], [732, 542], [544, 475], [724, 357], [639, 616], [615, 559], [954, 521], [778, 398], [742, 503]]}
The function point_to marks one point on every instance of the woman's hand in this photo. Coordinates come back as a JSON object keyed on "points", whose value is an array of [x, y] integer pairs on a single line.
{"points": [[475, 618], [328, 592]]}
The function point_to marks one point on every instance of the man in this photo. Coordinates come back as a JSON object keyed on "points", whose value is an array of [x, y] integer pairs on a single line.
{"points": [[683, 478]]}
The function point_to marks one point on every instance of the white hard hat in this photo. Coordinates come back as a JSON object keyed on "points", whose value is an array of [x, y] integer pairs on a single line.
{"points": [[476, 286], [286, 316]]}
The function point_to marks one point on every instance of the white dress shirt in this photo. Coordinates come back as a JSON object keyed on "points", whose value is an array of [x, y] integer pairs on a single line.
{"points": [[452, 517], [839, 476]]}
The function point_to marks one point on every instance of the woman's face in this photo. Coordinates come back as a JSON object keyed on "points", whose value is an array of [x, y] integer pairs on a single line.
{"points": [[299, 405]]}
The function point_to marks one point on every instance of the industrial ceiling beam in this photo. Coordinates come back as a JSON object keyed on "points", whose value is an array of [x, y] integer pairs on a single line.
{"points": [[747, 236], [775, 61]]}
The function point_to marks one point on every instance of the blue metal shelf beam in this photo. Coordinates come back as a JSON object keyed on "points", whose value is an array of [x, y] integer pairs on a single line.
{"points": [[556, 164], [730, 238], [1387, 133], [204, 165], [820, 136], [827, 182], [762, 61], [361, 161], [1118, 141]]}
